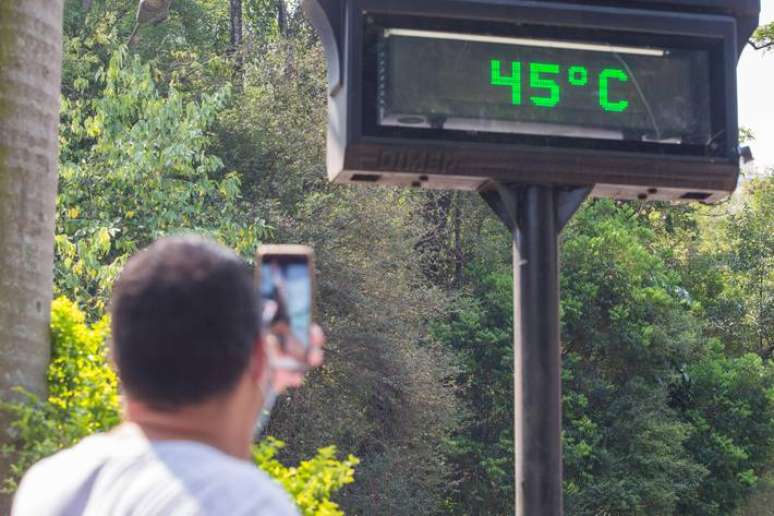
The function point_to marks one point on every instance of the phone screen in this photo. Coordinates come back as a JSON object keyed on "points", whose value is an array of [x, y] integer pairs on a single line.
{"points": [[286, 299]]}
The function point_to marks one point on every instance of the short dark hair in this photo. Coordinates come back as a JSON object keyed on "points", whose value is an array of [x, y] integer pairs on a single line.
{"points": [[184, 321]]}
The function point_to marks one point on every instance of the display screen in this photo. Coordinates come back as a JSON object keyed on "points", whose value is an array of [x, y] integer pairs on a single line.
{"points": [[286, 298], [453, 81]]}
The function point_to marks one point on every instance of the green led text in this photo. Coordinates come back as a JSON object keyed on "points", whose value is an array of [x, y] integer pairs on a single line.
{"points": [[537, 81], [514, 81], [547, 79], [604, 90]]}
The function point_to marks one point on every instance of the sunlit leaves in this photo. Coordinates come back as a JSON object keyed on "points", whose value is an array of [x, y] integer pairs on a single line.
{"points": [[313, 481], [83, 392], [138, 166], [764, 36]]}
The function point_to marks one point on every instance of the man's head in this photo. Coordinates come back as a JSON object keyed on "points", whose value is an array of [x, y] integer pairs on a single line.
{"points": [[185, 322]]}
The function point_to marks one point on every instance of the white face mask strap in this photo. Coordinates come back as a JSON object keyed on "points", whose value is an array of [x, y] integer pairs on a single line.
{"points": [[269, 400]]}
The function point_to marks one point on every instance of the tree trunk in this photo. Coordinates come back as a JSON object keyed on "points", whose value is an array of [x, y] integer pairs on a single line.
{"points": [[282, 17], [436, 257], [235, 15], [236, 24], [30, 72], [459, 254], [236, 50]]}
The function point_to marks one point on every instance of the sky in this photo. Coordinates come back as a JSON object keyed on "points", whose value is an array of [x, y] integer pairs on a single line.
{"points": [[756, 95]]}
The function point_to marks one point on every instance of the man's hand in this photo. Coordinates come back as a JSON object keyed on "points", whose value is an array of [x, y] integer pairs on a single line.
{"points": [[285, 377]]}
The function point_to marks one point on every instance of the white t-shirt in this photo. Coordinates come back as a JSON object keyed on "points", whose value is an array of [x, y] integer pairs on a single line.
{"points": [[123, 474]]}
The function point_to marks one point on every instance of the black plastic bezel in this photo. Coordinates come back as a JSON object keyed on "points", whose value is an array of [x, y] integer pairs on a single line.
{"points": [[713, 33]]}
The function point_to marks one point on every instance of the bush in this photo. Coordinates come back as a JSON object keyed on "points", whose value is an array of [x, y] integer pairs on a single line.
{"points": [[83, 399], [312, 483], [83, 393]]}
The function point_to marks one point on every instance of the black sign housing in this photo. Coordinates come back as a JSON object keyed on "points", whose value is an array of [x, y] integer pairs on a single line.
{"points": [[636, 99]]}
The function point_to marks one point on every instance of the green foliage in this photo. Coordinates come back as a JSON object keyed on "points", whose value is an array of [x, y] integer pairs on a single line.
{"points": [[658, 419], [729, 403], [735, 284], [648, 375], [83, 393], [135, 167], [313, 482], [764, 36], [479, 331], [83, 399], [275, 135], [761, 498]]}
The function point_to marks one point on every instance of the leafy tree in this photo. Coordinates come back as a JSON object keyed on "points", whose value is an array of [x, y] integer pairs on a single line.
{"points": [[479, 331], [735, 284], [313, 482], [764, 37], [648, 332], [638, 370], [136, 167], [128, 112], [729, 403]]}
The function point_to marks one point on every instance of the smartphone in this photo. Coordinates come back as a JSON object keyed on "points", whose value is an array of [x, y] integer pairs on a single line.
{"points": [[285, 281]]}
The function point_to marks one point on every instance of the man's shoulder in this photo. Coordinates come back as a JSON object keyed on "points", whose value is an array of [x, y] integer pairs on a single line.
{"points": [[67, 464], [220, 483], [56, 481], [239, 483], [104, 468], [252, 491]]}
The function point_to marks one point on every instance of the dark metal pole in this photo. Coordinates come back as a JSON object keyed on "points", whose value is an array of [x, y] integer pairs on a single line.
{"points": [[537, 355], [536, 216]]}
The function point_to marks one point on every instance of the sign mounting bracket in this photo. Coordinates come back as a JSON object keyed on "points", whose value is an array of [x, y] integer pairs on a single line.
{"points": [[504, 200]]}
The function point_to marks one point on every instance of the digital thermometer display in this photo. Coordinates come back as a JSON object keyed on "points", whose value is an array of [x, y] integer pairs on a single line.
{"points": [[476, 83]]}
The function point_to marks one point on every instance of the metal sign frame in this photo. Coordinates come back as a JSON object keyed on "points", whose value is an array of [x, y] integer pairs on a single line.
{"points": [[355, 156]]}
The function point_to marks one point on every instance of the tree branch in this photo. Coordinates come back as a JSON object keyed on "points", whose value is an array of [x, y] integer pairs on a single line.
{"points": [[762, 46]]}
